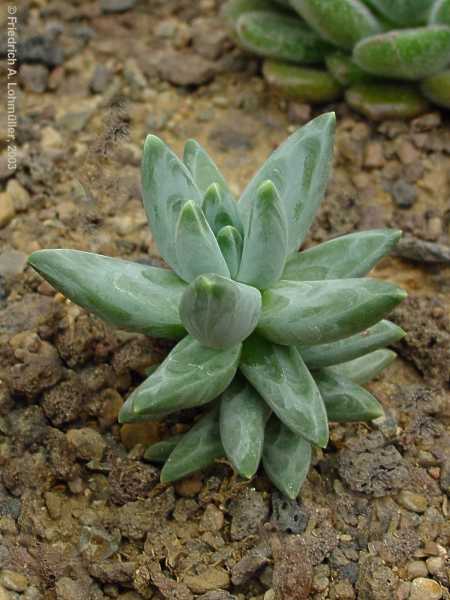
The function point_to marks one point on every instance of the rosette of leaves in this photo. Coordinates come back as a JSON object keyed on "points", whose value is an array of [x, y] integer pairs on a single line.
{"points": [[388, 57], [272, 342]]}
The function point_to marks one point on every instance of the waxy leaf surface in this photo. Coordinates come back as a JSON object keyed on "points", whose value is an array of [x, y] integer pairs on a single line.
{"points": [[197, 249], [205, 173], [405, 13], [286, 458], [341, 22], [379, 335], [299, 169], [191, 375], [345, 400], [363, 369], [161, 451], [198, 448], [440, 13], [352, 255], [230, 244], [166, 185], [220, 312], [265, 239], [279, 36], [128, 295], [281, 377], [243, 416], [318, 312]]}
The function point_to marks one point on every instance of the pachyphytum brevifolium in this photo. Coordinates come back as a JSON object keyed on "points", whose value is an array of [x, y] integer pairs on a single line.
{"points": [[388, 56], [277, 342]]}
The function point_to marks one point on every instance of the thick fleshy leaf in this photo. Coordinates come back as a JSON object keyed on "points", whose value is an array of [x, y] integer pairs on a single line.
{"points": [[318, 312], [344, 69], [198, 448], [265, 239], [405, 54], [363, 369], [243, 416], [233, 9], [161, 451], [286, 458], [214, 210], [220, 312], [341, 22], [166, 185], [304, 84], [405, 13], [230, 244], [379, 335], [437, 88], [345, 400], [440, 13], [299, 169], [128, 295], [284, 37], [352, 255], [281, 377], [197, 249], [205, 173], [191, 375]]}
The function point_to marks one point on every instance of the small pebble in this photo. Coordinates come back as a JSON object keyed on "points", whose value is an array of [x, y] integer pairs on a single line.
{"points": [[88, 443], [425, 589], [416, 568], [212, 579], [411, 501], [435, 565], [14, 581], [7, 210], [189, 486]]}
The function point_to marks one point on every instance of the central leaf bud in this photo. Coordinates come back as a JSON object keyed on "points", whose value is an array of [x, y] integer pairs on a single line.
{"points": [[219, 312]]}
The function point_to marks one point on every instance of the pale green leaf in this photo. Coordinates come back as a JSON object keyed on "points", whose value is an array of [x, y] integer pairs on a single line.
{"points": [[318, 312], [214, 209], [219, 312], [166, 185], [364, 368], [191, 375], [230, 243], [345, 400], [352, 255], [286, 458], [243, 416], [265, 239], [160, 451], [281, 377], [128, 295], [379, 335], [198, 448], [299, 169], [197, 249], [405, 13]]}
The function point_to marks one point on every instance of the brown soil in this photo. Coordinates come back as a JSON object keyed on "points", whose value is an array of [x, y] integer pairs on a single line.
{"points": [[81, 515]]}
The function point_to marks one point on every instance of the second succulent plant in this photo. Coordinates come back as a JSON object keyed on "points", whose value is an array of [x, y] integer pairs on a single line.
{"points": [[361, 44], [276, 342]]}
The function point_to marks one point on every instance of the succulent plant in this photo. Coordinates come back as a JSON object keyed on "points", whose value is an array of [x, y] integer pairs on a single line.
{"points": [[276, 341], [361, 44]]}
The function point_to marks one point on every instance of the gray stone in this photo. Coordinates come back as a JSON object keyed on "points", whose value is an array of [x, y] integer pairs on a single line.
{"points": [[34, 78], [116, 6]]}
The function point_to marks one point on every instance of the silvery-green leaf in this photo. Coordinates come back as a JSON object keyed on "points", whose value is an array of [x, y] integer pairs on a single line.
{"points": [[197, 249], [281, 377], [214, 210], [219, 312], [265, 239], [198, 448], [379, 335], [128, 295], [205, 173], [230, 244], [405, 13], [352, 255], [364, 368], [191, 375], [243, 416], [280, 36], [233, 9], [286, 458], [318, 312], [440, 13], [166, 185], [345, 400], [161, 451], [299, 169], [341, 22]]}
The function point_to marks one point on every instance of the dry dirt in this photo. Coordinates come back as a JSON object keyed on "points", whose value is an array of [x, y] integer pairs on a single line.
{"points": [[82, 516]]}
